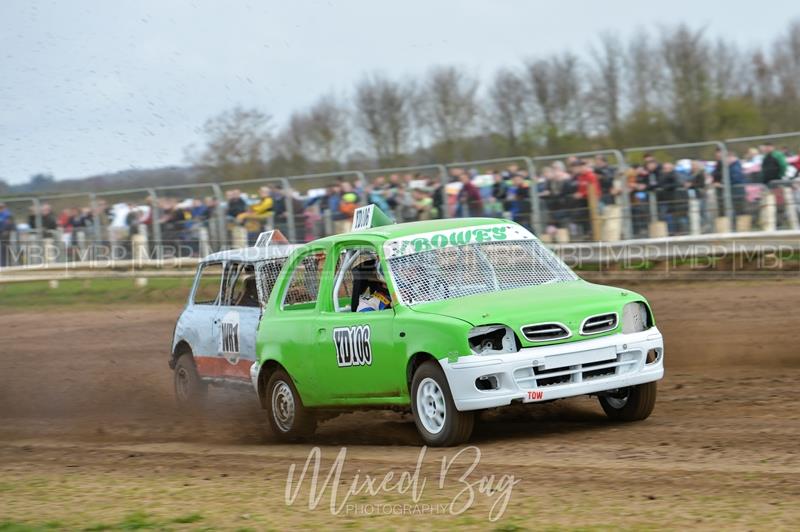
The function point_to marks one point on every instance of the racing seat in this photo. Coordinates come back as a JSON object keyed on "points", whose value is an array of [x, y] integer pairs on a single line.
{"points": [[249, 297]]}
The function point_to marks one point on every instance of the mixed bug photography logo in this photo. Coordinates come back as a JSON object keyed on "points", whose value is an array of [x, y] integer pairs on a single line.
{"points": [[353, 346], [456, 481]]}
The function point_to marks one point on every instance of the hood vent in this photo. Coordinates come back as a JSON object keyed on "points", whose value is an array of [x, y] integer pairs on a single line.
{"points": [[599, 324], [545, 332]]}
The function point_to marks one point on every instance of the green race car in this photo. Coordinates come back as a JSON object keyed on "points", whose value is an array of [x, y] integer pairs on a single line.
{"points": [[445, 317]]}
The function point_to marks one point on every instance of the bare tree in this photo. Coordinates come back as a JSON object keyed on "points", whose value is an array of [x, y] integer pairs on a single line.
{"points": [[760, 78], [237, 143], [539, 73], [558, 89], [688, 90], [671, 85], [607, 82], [318, 137], [506, 112], [447, 107], [727, 70], [291, 143], [642, 69], [786, 69], [328, 129], [382, 114]]}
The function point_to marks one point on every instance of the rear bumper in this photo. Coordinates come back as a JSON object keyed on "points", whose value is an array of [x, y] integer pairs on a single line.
{"points": [[545, 373]]}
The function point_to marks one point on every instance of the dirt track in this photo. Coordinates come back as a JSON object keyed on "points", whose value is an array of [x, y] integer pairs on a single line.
{"points": [[89, 435]]}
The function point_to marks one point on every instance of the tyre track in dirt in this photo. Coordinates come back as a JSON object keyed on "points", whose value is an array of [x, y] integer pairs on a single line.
{"points": [[90, 389]]}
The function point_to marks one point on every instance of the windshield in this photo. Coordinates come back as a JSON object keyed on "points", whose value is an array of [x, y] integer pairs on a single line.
{"points": [[459, 271]]}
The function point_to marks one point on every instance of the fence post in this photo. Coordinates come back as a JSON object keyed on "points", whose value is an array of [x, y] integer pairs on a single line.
{"points": [[443, 179], [15, 248], [695, 220], [37, 217], [360, 175], [768, 215], [288, 195], [595, 221], [139, 251], [97, 224], [80, 242], [789, 206], [155, 216], [627, 217], [327, 222], [652, 201], [203, 246], [219, 216], [239, 237], [536, 212], [726, 184]]}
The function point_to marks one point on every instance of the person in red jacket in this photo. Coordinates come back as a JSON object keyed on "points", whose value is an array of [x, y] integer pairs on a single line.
{"points": [[586, 179]]}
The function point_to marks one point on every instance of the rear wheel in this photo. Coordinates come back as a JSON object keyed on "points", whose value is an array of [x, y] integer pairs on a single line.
{"points": [[633, 403], [289, 419], [190, 390], [435, 414]]}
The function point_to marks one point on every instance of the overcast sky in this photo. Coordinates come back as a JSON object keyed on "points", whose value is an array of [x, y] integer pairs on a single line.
{"points": [[94, 86]]}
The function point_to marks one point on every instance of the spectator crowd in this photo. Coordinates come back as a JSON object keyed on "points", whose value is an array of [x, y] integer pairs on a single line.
{"points": [[568, 191]]}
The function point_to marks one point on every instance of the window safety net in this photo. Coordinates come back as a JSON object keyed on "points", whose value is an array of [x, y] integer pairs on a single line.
{"points": [[460, 271], [267, 275]]}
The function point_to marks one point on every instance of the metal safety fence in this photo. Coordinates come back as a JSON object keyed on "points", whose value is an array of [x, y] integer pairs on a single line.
{"points": [[602, 195]]}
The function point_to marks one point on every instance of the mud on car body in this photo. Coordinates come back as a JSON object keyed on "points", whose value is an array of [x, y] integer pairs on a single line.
{"points": [[215, 336], [480, 315]]}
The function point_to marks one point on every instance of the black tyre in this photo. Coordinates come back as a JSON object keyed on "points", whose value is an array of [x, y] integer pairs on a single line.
{"points": [[633, 403], [190, 390], [435, 414], [289, 419]]}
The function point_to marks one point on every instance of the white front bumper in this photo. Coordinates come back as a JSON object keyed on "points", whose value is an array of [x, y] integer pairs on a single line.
{"points": [[564, 370]]}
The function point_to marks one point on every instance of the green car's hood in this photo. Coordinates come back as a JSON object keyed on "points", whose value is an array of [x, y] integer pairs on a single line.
{"points": [[567, 302]]}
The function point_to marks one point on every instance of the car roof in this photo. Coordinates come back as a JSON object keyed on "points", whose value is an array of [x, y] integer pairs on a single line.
{"points": [[384, 232], [391, 231], [252, 254]]}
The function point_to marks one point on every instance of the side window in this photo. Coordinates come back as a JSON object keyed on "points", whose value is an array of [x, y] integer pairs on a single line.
{"points": [[240, 288], [343, 280], [207, 290], [359, 285], [303, 289]]}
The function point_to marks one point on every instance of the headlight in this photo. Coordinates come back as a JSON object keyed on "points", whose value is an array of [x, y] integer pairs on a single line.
{"points": [[492, 340], [634, 318]]}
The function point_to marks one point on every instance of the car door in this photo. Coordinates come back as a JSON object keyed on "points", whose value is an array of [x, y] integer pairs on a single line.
{"points": [[357, 355], [201, 315], [236, 321], [287, 331]]}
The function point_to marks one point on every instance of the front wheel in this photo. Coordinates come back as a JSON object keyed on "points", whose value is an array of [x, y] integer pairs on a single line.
{"points": [[435, 414], [289, 419], [633, 403]]}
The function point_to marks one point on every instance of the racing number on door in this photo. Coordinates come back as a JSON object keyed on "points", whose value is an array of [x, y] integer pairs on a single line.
{"points": [[353, 347], [229, 336]]}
